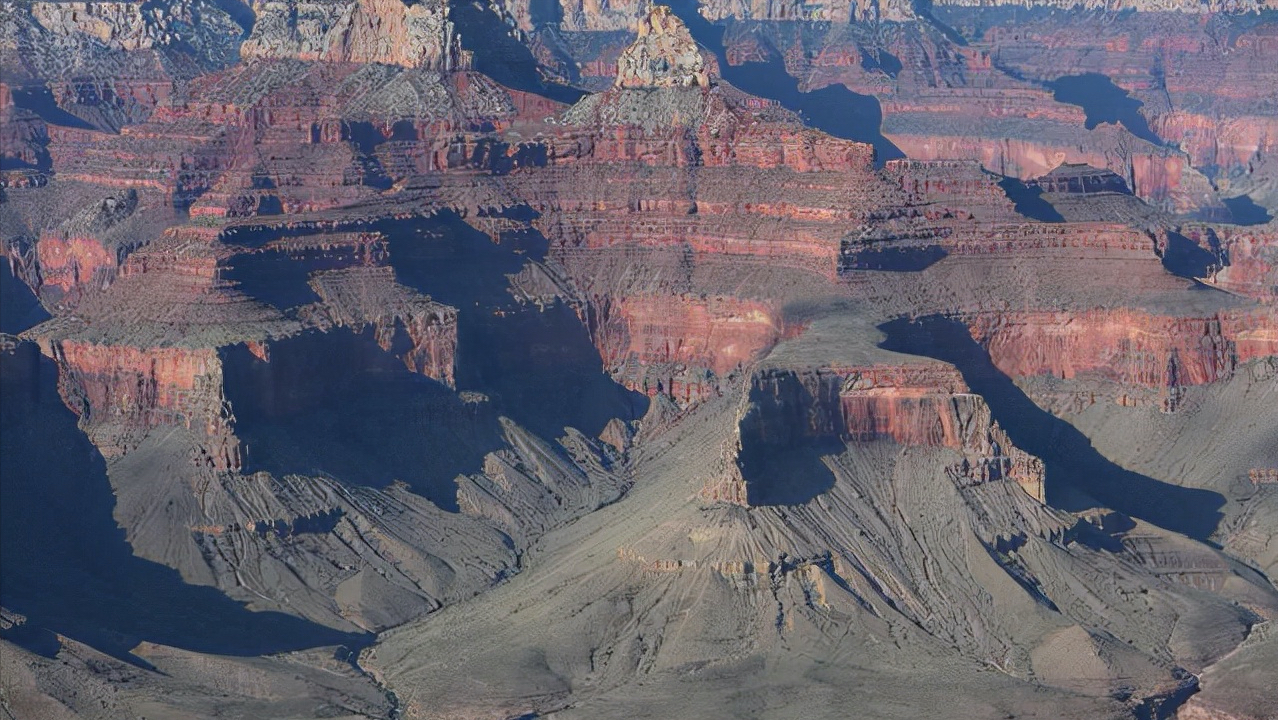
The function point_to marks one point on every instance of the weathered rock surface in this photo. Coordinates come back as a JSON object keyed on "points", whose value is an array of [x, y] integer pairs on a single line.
{"points": [[1133, 349], [391, 32], [911, 405], [664, 55], [840, 12], [1252, 258]]}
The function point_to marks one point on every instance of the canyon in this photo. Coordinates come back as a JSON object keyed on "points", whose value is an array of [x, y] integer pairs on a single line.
{"points": [[386, 359]]}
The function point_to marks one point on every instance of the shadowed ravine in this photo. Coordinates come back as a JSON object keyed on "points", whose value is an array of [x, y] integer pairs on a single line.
{"points": [[1103, 102], [337, 403], [1072, 463], [19, 308], [66, 563], [834, 109]]}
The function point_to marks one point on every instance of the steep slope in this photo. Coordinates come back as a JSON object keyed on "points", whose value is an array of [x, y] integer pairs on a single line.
{"points": [[898, 567], [830, 510]]}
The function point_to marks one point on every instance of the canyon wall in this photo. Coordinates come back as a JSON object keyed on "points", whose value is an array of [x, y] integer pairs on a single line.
{"points": [[1132, 348], [1251, 258], [1164, 179], [921, 405]]}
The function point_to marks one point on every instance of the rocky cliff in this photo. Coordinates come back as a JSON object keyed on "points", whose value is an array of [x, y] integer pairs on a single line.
{"points": [[664, 55], [1251, 260], [853, 11], [1184, 6], [391, 32], [792, 10], [912, 406], [1130, 348]]}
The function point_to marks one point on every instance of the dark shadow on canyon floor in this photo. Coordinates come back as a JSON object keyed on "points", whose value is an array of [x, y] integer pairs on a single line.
{"points": [[781, 459], [1028, 201], [537, 364], [19, 308], [1185, 258], [65, 563], [923, 8], [1245, 211], [337, 403], [1103, 102], [499, 54], [1070, 459], [279, 278], [833, 109], [789, 475], [40, 100], [891, 259]]}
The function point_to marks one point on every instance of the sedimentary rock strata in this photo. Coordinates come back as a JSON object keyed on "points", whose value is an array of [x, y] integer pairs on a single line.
{"points": [[913, 406], [643, 391], [391, 32], [1251, 259], [1137, 5], [1133, 348]]}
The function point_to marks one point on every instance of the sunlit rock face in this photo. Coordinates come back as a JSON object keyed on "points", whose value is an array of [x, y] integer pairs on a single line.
{"points": [[663, 55], [391, 32]]}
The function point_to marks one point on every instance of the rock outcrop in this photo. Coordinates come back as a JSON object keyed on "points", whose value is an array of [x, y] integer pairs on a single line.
{"points": [[391, 32], [1251, 254], [850, 11], [1128, 347], [664, 55], [362, 297], [912, 406]]}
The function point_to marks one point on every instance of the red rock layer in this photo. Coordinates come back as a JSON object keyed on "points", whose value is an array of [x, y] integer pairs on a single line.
{"points": [[718, 333], [148, 352], [1127, 346], [923, 405], [677, 344], [1251, 268], [1203, 90], [1163, 179], [285, 130], [68, 262], [951, 102], [186, 252], [119, 389]]}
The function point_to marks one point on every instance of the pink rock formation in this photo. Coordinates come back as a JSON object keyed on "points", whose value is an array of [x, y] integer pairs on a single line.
{"points": [[677, 344], [1252, 258], [920, 405], [120, 390], [1131, 347], [69, 262], [149, 352], [1163, 179]]}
